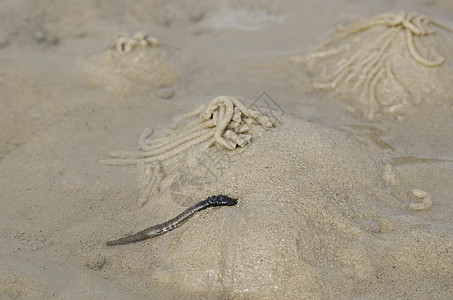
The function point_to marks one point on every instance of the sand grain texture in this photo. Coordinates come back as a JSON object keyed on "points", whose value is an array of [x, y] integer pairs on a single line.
{"points": [[325, 197]]}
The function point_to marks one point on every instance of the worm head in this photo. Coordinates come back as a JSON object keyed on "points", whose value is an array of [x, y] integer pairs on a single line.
{"points": [[221, 200]]}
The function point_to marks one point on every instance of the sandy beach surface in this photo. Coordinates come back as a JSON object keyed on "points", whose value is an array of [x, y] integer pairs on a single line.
{"points": [[344, 196]]}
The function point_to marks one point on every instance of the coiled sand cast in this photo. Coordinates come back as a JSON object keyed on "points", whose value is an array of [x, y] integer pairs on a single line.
{"points": [[225, 121], [131, 64], [376, 64]]}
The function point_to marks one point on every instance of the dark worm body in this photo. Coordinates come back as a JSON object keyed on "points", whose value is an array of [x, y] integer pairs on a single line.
{"points": [[159, 229]]}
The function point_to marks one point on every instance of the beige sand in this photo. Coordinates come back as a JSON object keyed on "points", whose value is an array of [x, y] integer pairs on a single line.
{"points": [[326, 199]]}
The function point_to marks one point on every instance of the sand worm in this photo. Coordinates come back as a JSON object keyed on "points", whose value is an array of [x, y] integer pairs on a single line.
{"points": [[159, 229]]}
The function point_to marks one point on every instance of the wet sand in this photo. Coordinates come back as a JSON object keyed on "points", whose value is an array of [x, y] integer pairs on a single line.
{"points": [[320, 214]]}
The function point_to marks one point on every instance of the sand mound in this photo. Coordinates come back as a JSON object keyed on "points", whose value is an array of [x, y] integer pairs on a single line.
{"points": [[308, 223], [386, 64], [130, 64]]}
